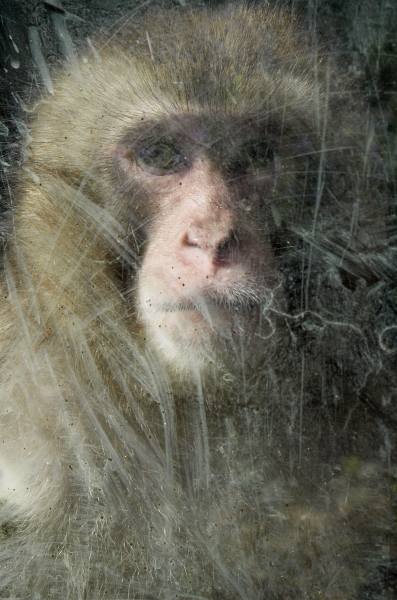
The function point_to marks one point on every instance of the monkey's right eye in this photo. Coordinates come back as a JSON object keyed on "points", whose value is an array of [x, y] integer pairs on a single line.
{"points": [[253, 155], [161, 157]]}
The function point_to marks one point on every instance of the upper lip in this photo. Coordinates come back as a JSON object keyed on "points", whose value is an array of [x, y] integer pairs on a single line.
{"points": [[208, 302]]}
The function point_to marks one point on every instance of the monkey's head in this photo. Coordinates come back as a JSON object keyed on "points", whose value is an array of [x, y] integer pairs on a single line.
{"points": [[206, 145]]}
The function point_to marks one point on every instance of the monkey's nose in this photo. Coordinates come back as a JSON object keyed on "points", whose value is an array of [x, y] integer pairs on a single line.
{"points": [[217, 245]]}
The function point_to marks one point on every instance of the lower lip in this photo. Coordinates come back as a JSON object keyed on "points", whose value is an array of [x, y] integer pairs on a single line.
{"points": [[211, 306]]}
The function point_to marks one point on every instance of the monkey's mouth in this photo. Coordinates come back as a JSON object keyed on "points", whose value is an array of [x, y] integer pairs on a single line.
{"points": [[190, 307], [211, 304]]}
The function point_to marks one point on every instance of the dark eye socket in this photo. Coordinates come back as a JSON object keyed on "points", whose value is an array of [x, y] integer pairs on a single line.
{"points": [[161, 157], [254, 155]]}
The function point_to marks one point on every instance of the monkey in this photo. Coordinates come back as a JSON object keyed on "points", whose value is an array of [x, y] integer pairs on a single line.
{"points": [[197, 400]]}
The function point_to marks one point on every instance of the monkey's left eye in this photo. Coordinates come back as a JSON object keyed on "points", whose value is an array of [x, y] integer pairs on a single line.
{"points": [[254, 155], [161, 157]]}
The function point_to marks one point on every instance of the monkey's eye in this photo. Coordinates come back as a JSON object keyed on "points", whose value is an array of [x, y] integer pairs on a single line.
{"points": [[254, 155], [161, 157]]}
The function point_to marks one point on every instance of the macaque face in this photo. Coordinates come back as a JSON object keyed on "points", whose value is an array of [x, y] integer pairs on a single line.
{"points": [[208, 273]]}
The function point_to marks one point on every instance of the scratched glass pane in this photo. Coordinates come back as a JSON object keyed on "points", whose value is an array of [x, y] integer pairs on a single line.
{"points": [[198, 316]]}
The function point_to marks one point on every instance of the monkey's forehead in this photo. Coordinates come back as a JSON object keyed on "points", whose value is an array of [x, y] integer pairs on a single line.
{"points": [[206, 88], [230, 59], [200, 124]]}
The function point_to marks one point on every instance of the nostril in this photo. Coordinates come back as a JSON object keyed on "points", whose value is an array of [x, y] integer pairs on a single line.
{"points": [[227, 245], [191, 240], [224, 245]]}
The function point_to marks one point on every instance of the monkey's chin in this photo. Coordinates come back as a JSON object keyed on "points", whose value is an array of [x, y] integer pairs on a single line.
{"points": [[191, 342]]}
